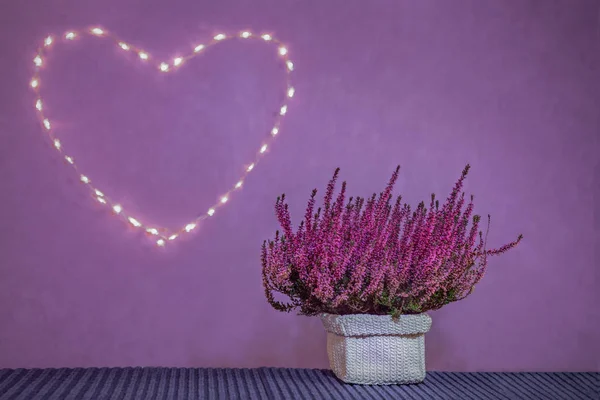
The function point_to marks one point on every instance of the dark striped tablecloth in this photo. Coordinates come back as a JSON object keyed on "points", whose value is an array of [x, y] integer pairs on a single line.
{"points": [[281, 383]]}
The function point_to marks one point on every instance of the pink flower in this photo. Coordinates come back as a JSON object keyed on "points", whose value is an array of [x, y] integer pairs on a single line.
{"points": [[375, 256]]}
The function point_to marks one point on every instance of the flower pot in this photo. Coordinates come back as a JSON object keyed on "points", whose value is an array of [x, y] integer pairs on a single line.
{"points": [[376, 350]]}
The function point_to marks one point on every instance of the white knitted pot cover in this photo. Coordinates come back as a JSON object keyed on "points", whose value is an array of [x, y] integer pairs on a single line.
{"points": [[376, 350]]}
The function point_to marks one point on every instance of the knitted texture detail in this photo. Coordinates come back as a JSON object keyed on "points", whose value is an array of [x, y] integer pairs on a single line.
{"points": [[375, 349]]}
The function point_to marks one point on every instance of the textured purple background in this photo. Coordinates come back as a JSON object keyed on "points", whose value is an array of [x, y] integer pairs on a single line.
{"points": [[510, 86]]}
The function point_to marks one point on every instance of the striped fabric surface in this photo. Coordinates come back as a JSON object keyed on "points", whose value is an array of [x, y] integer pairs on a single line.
{"points": [[281, 383]]}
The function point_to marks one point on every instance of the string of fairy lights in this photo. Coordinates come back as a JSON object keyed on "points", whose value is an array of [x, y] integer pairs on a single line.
{"points": [[161, 235]]}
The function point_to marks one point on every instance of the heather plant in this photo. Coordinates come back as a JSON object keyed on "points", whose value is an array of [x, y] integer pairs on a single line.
{"points": [[376, 255]]}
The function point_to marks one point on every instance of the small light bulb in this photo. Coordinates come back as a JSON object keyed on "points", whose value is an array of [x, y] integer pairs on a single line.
{"points": [[290, 65], [245, 34], [48, 41], [152, 231], [164, 67], [57, 144], [224, 199], [198, 48], [37, 61], [85, 179], [117, 208], [189, 227], [70, 35], [46, 123], [291, 92], [274, 131], [69, 159], [160, 242], [38, 104], [283, 110], [239, 184], [35, 83], [250, 167], [97, 31], [98, 193], [173, 237], [143, 56], [282, 51], [266, 37], [220, 36], [211, 212], [177, 61], [134, 222], [101, 200], [263, 148], [124, 46]]}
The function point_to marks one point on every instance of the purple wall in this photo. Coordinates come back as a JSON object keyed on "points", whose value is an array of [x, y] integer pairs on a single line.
{"points": [[511, 87]]}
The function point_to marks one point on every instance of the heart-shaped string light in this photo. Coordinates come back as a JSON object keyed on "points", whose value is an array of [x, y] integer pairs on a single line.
{"points": [[160, 234]]}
